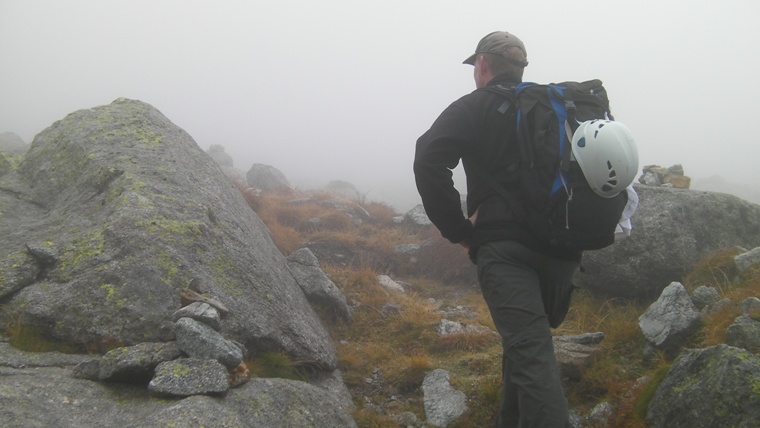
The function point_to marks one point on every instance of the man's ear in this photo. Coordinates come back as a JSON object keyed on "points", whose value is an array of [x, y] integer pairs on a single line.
{"points": [[484, 66]]}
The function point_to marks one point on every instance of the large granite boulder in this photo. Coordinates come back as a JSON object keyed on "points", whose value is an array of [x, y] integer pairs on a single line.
{"points": [[672, 230], [706, 388], [12, 149], [267, 178], [10, 142], [114, 212]]}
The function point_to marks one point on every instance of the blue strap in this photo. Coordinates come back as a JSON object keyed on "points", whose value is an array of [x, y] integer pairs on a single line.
{"points": [[556, 94]]}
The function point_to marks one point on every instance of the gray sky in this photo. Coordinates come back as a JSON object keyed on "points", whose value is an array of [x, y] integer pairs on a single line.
{"points": [[337, 89]]}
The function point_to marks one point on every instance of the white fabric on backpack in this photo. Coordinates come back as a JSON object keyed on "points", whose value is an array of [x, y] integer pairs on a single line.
{"points": [[623, 229]]}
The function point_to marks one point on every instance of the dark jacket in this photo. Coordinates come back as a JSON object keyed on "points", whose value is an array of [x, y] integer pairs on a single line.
{"points": [[474, 130]]}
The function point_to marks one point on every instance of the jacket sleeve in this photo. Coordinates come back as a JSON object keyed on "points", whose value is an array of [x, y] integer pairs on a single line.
{"points": [[437, 153]]}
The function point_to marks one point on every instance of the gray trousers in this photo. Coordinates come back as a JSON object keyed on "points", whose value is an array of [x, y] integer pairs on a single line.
{"points": [[526, 292]]}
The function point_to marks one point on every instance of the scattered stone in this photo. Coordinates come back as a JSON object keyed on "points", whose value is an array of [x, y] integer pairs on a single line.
{"points": [[582, 339], [671, 319], [407, 249], [573, 358], [390, 308], [744, 333], [202, 312], [417, 216], [447, 328], [600, 414], [190, 376], [576, 420], [705, 297], [407, 419], [136, 363], [442, 403], [750, 305], [459, 312], [747, 260], [390, 284]]}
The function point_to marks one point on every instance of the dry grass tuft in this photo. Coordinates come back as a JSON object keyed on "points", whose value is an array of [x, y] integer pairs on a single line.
{"points": [[380, 213], [275, 365], [716, 270]]}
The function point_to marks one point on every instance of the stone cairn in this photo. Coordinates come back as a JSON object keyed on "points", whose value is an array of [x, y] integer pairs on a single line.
{"points": [[199, 362], [655, 175]]}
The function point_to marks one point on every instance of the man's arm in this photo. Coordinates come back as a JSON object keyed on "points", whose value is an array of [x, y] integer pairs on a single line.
{"points": [[438, 152]]}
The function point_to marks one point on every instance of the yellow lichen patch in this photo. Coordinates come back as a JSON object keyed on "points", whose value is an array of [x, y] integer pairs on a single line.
{"points": [[112, 295]]}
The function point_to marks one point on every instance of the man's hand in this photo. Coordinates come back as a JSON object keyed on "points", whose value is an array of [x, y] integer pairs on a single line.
{"points": [[472, 220]]}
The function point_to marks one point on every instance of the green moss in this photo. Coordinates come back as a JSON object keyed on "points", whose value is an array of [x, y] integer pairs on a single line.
{"points": [[648, 391], [167, 264], [85, 247], [171, 230], [112, 295], [221, 266], [180, 370], [126, 185]]}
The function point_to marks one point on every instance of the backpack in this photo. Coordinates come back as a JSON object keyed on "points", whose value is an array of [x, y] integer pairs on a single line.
{"points": [[554, 198]]}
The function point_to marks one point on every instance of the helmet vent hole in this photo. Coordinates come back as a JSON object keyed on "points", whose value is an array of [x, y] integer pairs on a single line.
{"points": [[582, 142]]}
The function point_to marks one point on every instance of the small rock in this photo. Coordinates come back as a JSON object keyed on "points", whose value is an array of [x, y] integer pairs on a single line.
{"points": [[390, 284], [136, 363], [200, 311], [189, 376], [442, 403], [201, 341]]}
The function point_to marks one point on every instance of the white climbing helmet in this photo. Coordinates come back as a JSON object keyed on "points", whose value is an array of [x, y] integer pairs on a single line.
{"points": [[607, 154]]}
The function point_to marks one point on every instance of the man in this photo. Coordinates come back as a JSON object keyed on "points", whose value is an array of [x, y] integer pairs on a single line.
{"points": [[527, 287]]}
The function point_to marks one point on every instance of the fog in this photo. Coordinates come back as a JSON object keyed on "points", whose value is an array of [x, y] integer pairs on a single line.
{"points": [[333, 89]]}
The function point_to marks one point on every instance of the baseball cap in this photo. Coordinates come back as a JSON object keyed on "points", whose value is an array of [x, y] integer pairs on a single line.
{"points": [[497, 43]]}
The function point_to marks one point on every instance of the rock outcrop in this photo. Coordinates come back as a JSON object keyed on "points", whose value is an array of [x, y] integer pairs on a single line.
{"points": [[10, 142], [112, 219], [267, 178], [672, 230], [712, 387]]}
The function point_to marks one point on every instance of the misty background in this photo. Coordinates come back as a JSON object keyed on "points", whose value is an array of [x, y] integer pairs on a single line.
{"points": [[340, 90]]}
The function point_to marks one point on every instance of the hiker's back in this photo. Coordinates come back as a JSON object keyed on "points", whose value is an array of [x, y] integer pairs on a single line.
{"points": [[574, 163]]}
